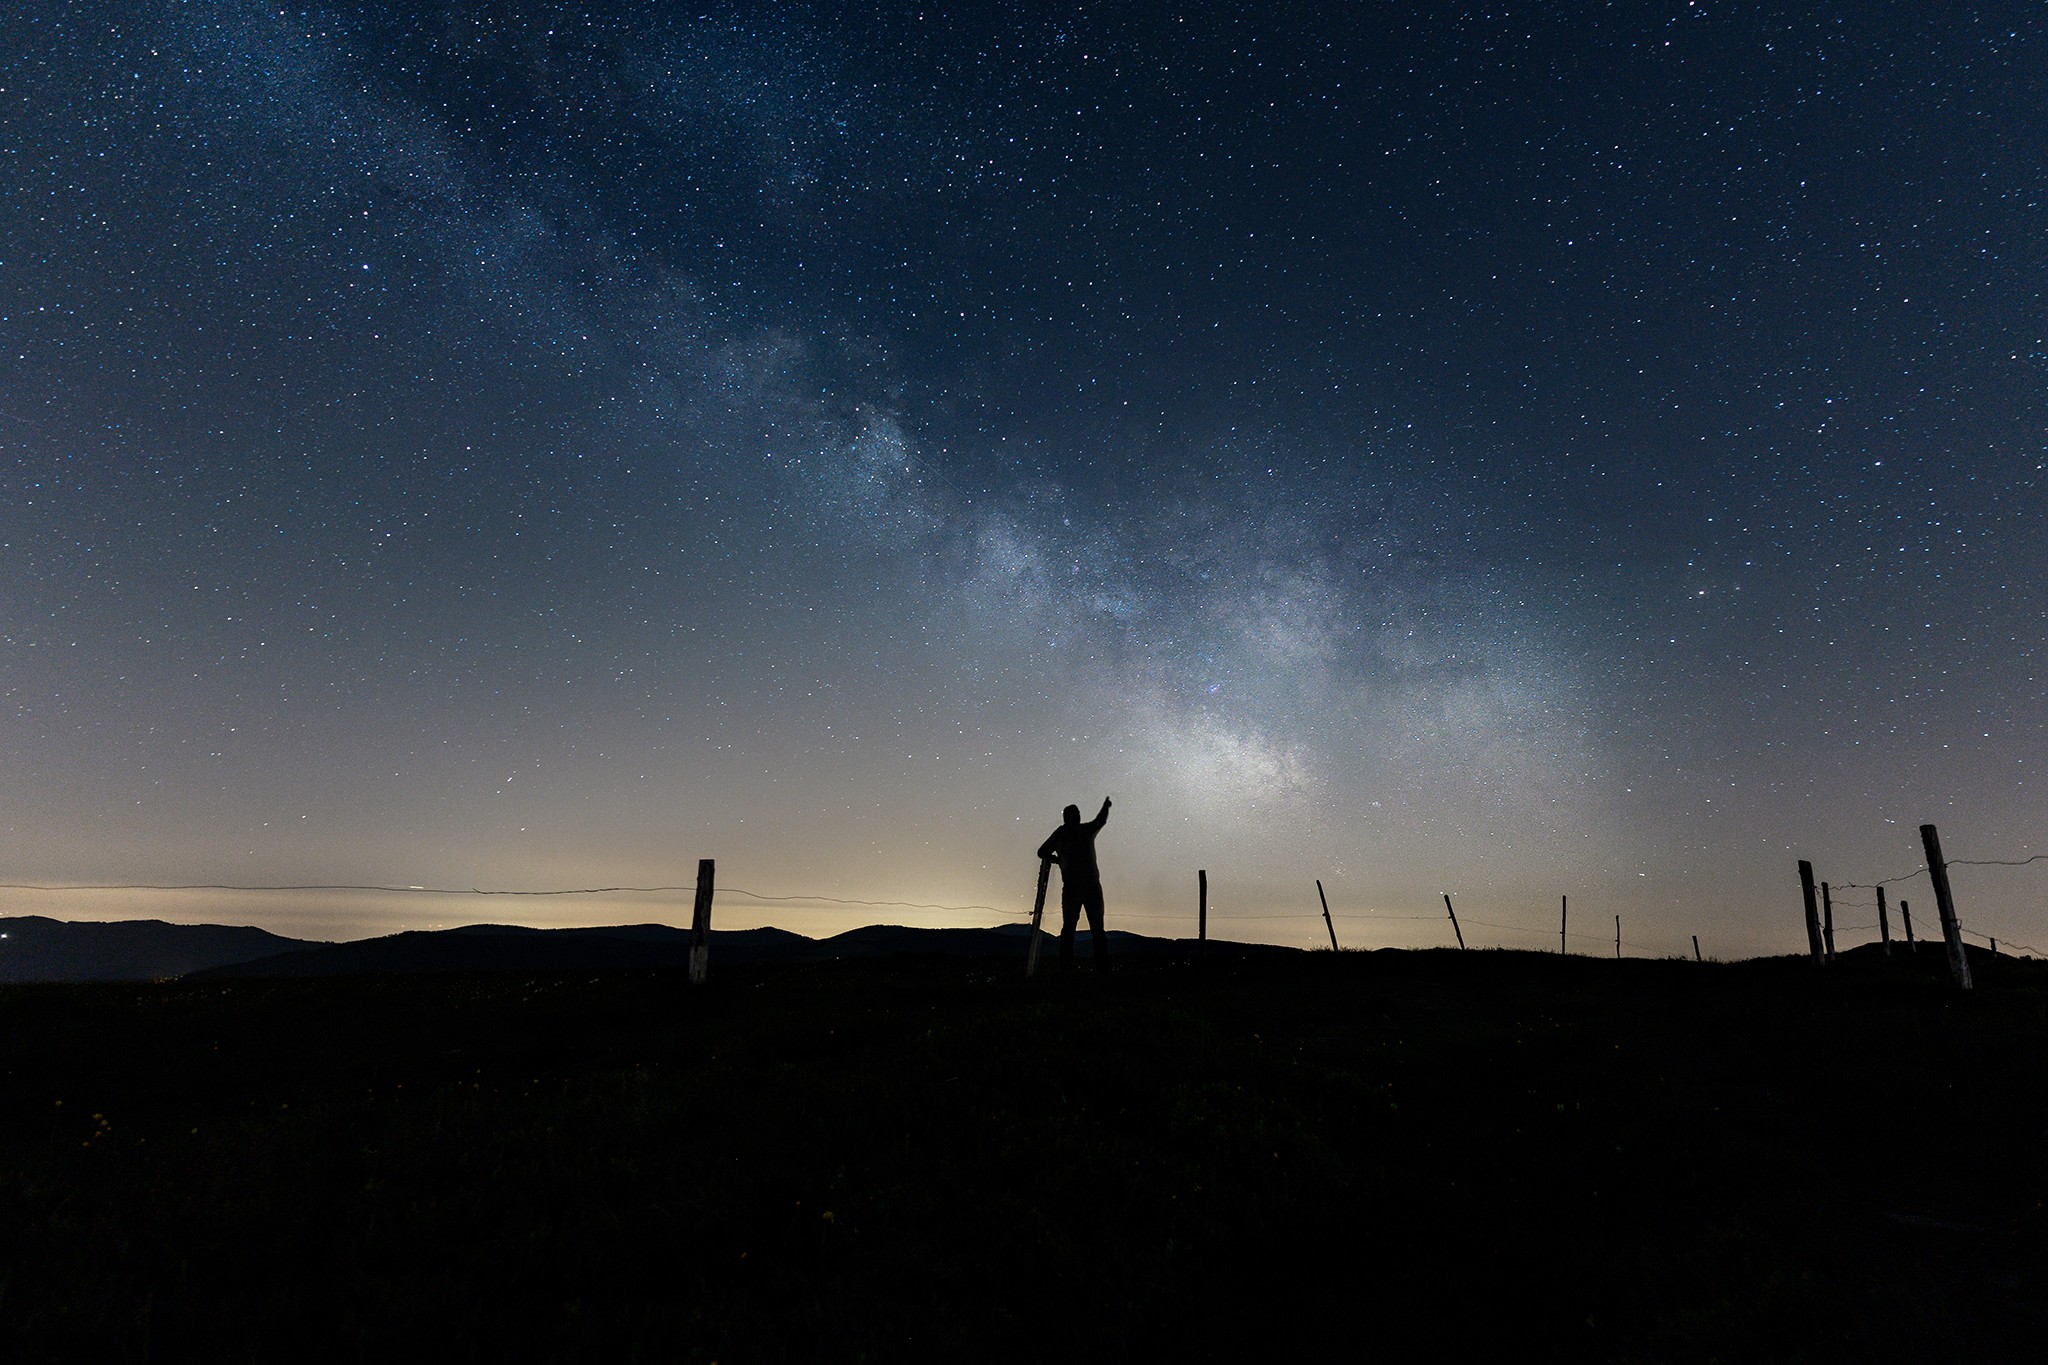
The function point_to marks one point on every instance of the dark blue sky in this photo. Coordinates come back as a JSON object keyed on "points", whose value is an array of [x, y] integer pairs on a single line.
{"points": [[1539, 449]]}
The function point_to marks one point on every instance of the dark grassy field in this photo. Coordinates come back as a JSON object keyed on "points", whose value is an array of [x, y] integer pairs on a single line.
{"points": [[1404, 1154]]}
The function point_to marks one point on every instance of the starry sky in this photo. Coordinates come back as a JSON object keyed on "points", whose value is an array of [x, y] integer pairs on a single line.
{"points": [[1527, 450]]}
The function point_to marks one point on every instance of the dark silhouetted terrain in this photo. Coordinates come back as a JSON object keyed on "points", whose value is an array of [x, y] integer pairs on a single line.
{"points": [[1400, 1156], [40, 949], [497, 947]]}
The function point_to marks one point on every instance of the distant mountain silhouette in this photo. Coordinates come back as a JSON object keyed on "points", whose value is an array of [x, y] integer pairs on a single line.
{"points": [[515, 948], [499, 947], [38, 949]]}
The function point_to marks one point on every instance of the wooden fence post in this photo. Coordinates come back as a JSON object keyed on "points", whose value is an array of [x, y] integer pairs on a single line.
{"points": [[1564, 915], [1945, 903], [1827, 915], [1037, 917], [1202, 912], [1454, 922], [1812, 911], [1906, 918], [1617, 938], [1696, 949], [1884, 923], [1328, 923], [700, 921]]}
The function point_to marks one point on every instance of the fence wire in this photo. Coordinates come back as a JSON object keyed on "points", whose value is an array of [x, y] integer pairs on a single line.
{"points": [[1310, 913]]}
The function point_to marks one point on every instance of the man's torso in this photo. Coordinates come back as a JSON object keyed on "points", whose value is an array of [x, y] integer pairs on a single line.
{"points": [[1076, 846]]}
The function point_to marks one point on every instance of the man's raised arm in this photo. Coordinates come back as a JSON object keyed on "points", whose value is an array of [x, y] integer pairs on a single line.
{"points": [[1101, 816]]}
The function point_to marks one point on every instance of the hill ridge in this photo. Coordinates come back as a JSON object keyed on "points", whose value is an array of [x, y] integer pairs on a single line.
{"points": [[38, 948]]}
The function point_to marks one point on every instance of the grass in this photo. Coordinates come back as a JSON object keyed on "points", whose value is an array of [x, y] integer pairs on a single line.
{"points": [[1410, 1154]]}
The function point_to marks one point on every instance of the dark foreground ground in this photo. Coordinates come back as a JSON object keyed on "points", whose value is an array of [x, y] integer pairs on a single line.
{"points": [[1402, 1155]]}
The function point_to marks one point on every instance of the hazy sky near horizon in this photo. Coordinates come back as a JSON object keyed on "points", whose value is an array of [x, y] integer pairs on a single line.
{"points": [[1518, 451]]}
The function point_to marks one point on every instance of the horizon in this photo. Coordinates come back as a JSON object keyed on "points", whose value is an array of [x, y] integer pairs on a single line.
{"points": [[1855, 924], [1507, 456]]}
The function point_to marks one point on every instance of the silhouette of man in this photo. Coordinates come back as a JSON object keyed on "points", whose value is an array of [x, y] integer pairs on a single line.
{"points": [[1072, 846]]}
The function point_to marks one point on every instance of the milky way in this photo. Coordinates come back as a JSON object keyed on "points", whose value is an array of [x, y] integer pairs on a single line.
{"points": [[1513, 454]]}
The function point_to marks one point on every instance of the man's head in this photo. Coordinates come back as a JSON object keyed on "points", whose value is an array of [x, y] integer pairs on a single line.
{"points": [[1072, 815]]}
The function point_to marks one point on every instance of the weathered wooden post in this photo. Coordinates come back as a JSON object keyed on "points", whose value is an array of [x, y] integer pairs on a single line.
{"points": [[1812, 912], [1037, 917], [1617, 938], [1884, 924], [1328, 923], [1564, 915], [1696, 949], [1827, 919], [1454, 922], [1202, 912], [1906, 918], [1945, 904], [700, 921]]}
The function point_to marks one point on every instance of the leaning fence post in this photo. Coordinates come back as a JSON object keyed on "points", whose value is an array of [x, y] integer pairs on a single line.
{"points": [[1202, 912], [700, 921], [1696, 949], [1617, 938], [1906, 918], [1827, 913], [1884, 923], [1812, 911], [1945, 902], [1454, 922], [1328, 923], [1037, 916]]}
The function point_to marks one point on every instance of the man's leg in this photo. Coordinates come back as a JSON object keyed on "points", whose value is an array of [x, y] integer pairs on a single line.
{"points": [[1093, 901], [1070, 915]]}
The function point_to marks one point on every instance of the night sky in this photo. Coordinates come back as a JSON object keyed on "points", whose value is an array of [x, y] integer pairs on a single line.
{"points": [[1538, 450]]}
